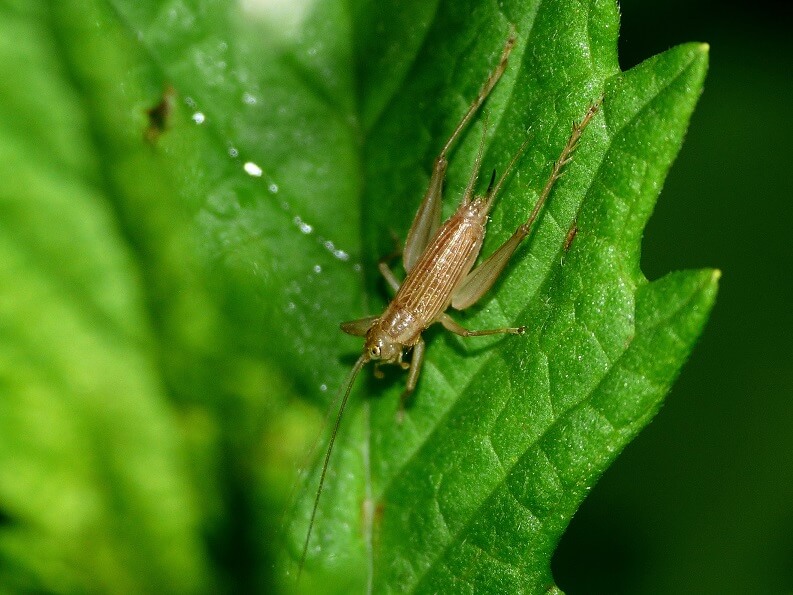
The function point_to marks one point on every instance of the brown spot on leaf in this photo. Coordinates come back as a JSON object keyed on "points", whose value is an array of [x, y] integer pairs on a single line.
{"points": [[160, 115]]}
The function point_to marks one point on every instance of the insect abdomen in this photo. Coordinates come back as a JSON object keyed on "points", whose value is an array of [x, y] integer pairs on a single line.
{"points": [[426, 291]]}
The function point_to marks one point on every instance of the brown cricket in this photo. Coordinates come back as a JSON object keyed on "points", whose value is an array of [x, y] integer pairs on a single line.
{"points": [[438, 259]]}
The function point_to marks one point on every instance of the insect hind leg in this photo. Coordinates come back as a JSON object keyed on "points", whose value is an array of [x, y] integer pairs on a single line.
{"points": [[428, 216], [482, 278]]}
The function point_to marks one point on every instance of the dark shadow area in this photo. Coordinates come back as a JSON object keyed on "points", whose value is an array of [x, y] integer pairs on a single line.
{"points": [[709, 483]]}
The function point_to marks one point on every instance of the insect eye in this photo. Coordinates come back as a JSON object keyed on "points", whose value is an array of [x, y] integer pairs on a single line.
{"points": [[375, 351]]}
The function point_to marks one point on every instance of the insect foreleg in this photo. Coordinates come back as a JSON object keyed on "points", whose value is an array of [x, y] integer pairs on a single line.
{"points": [[416, 361], [358, 327]]}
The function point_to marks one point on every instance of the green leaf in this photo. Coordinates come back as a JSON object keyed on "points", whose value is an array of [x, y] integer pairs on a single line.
{"points": [[504, 437], [96, 291], [167, 285]]}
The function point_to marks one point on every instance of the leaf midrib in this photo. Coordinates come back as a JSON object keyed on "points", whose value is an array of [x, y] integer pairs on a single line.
{"points": [[584, 402], [612, 135]]}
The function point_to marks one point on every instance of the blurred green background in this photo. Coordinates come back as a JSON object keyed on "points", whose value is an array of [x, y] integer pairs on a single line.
{"points": [[702, 500]]}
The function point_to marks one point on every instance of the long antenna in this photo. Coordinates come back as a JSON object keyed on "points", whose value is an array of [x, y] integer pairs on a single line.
{"points": [[350, 381]]}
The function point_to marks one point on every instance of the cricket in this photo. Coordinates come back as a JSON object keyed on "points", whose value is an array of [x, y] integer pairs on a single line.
{"points": [[439, 261]]}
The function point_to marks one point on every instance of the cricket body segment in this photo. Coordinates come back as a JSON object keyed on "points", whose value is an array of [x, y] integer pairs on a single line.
{"points": [[442, 275], [427, 290], [439, 260]]}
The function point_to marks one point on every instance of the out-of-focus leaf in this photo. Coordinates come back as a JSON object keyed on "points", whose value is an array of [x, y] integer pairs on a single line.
{"points": [[171, 274]]}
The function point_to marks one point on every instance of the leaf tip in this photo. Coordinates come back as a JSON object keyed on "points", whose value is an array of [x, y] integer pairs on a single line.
{"points": [[710, 278], [707, 291], [709, 284], [713, 284]]}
